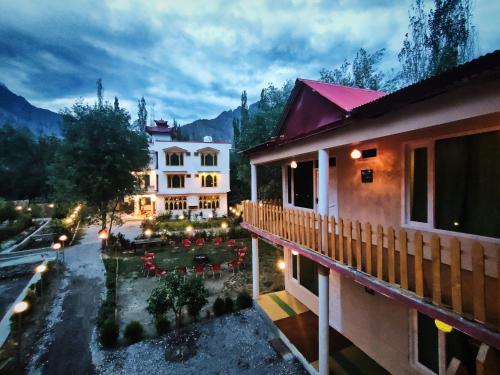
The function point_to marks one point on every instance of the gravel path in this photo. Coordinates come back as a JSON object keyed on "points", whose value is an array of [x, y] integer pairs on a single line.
{"points": [[65, 345], [234, 344]]}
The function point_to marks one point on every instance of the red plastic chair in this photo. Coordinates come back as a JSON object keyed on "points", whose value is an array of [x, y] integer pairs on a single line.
{"points": [[215, 268], [231, 243], [186, 243], [217, 241], [199, 269], [151, 268], [200, 242], [233, 265], [159, 272]]}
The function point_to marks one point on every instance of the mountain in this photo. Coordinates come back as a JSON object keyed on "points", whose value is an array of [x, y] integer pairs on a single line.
{"points": [[219, 128], [18, 112]]}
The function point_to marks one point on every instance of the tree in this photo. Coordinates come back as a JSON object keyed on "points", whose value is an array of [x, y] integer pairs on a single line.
{"points": [[142, 114], [99, 93], [363, 72], [176, 293], [236, 131], [97, 160], [116, 105], [437, 40]]}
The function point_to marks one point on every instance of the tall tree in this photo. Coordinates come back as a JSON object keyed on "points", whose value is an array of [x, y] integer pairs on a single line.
{"points": [[236, 131], [116, 104], [244, 110], [437, 40], [97, 160], [142, 114], [99, 92]]}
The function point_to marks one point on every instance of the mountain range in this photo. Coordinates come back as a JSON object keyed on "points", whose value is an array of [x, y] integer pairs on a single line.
{"points": [[18, 112]]}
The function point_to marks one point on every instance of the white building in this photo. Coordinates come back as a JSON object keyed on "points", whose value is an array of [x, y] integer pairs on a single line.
{"points": [[184, 176]]}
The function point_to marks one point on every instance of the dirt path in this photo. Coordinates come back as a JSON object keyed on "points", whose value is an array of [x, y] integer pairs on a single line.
{"points": [[65, 346]]}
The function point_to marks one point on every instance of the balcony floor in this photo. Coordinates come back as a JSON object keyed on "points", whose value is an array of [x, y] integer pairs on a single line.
{"points": [[300, 326]]}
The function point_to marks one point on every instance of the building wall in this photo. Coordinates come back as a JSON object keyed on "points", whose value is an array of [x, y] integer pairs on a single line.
{"points": [[375, 324]]}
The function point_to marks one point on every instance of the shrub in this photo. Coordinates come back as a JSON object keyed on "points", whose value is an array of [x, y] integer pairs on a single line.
{"points": [[134, 332], [228, 305], [109, 334], [219, 307], [162, 325], [244, 300]]}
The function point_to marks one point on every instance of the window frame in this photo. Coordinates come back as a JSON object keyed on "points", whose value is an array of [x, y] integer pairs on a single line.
{"points": [[168, 156], [182, 177], [172, 199], [414, 362], [213, 199], [203, 156], [215, 180]]}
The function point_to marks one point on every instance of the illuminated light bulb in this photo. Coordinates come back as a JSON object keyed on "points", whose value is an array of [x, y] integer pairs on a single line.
{"points": [[19, 208], [68, 220], [148, 232], [442, 326], [281, 265], [56, 246], [181, 217], [293, 164], [63, 238], [223, 225], [51, 205], [189, 229], [294, 252], [355, 154], [456, 223], [21, 307], [41, 268]]}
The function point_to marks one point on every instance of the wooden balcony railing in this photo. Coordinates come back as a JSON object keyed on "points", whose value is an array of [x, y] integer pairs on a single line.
{"points": [[459, 274]]}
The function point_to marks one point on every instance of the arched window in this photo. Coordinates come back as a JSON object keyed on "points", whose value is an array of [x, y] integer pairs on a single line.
{"points": [[209, 181], [174, 159], [208, 159], [175, 181]]}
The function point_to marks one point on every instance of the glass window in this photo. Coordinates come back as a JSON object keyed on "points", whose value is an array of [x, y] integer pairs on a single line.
{"points": [[209, 202], [174, 158], [418, 185], [295, 266], [208, 159], [289, 184], [175, 203], [209, 180], [462, 347], [303, 185], [308, 274], [467, 184], [428, 354], [175, 181]]}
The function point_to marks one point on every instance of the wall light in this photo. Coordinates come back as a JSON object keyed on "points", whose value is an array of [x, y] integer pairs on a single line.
{"points": [[281, 265], [294, 252], [442, 326], [293, 164], [355, 154], [223, 225]]}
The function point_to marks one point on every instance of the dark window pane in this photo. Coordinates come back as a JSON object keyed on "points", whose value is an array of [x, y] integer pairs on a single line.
{"points": [[462, 347], [467, 188], [294, 266], [303, 185], [308, 274], [369, 153], [428, 343], [289, 184], [418, 185]]}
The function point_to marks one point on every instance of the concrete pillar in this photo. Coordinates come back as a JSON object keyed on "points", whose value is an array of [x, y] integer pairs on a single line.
{"points": [[323, 320], [323, 179], [255, 268], [253, 184]]}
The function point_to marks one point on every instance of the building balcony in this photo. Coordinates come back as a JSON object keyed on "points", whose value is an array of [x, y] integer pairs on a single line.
{"points": [[450, 278]]}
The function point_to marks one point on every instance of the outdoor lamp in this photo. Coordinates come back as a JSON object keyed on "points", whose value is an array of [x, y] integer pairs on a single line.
{"points": [[21, 307], [103, 234], [51, 205], [56, 246], [19, 208], [72, 216], [181, 217], [281, 265], [148, 232], [189, 229], [293, 164], [355, 154], [68, 220], [63, 238], [29, 208], [442, 326], [210, 215], [223, 225], [41, 268]]}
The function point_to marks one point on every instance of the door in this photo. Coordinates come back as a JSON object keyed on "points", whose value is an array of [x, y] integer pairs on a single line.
{"points": [[333, 208]]}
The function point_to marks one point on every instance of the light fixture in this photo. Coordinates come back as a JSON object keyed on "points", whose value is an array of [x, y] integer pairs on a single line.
{"points": [[442, 326], [189, 229], [210, 215], [293, 164], [41, 268], [21, 307], [355, 154], [223, 225], [181, 217], [72, 216], [456, 223], [68, 220], [103, 234], [148, 232], [51, 205], [295, 252], [63, 238], [19, 208], [281, 265], [29, 208], [56, 246]]}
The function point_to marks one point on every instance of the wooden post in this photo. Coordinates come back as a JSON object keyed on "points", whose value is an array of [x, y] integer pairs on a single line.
{"points": [[318, 233], [349, 242], [380, 252], [486, 361], [419, 264], [313, 231], [478, 282], [403, 259], [368, 248], [456, 275], [436, 269], [307, 229], [324, 235], [333, 238], [391, 256], [456, 367], [341, 241], [359, 261]]}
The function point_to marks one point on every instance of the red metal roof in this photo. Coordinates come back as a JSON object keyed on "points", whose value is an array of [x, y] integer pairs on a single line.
{"points": [[345, 97]]}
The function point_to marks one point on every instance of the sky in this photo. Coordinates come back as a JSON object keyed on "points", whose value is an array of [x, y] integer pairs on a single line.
{"points": [[192, 59]]}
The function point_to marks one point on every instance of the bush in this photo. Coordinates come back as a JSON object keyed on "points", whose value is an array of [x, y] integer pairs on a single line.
{"points": [[244, 300], [219, 307], [134, 332], [229, 305], [109, 334], [162, 325]]}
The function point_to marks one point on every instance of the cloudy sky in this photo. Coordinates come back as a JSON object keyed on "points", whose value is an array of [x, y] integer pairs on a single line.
{"points": [[192, 59]]}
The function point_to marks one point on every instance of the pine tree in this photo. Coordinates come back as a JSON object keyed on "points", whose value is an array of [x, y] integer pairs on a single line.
{"points": [[142, 114], [116, 105], [236, 132], [100, 91], [244, 111]]}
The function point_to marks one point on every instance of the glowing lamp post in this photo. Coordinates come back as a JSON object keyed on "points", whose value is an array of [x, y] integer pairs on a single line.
{"points": [[68, 220], [41, 269], [63, 238], [224, 226], [19, 309], [103, 236], [56, 247], [148, 232]]}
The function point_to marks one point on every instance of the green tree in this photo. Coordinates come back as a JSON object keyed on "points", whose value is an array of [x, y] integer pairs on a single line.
{"points": [[99, 93], [142, 114], [175, 294], [96, 160], [437, 40], [116, 104]]}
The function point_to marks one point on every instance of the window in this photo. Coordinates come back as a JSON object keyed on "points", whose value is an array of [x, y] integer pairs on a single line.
{"points": [[308, 271], [209, 202], [289, 184], [303, 185], [208, 180], [209, 159], [427, 343], [175, 181], [175, 203], [295, 265], [157, 183], [418, 184], [174, 158], [144, 181], [467, 184]]}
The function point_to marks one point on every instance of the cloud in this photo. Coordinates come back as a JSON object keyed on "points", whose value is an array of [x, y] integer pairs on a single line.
{"points": [[192, 59]]}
